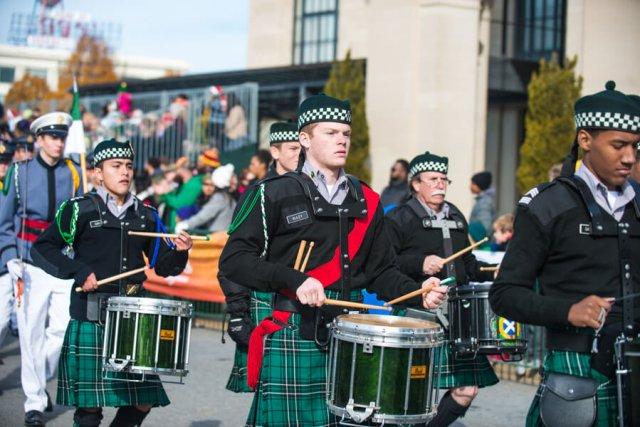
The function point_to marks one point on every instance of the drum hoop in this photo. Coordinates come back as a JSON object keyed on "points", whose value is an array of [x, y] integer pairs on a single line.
{"points": [[150, 306], [380, 418], [430, 340]]}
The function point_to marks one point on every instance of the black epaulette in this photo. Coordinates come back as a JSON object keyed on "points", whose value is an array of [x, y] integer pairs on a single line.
{"points": [[529, 195], [549, 200]]}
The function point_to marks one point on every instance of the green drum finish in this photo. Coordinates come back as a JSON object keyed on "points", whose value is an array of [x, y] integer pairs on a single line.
{"points": [[632, 354], [146, 339]]}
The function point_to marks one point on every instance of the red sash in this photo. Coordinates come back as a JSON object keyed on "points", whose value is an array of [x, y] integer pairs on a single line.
{"points": [[327, 274]]}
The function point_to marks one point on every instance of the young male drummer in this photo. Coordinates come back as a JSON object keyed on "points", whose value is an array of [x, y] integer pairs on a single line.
{"points": [[424, 231], [245, 307], [94, 228], [33, 190], [579, 238], [343, 218]]}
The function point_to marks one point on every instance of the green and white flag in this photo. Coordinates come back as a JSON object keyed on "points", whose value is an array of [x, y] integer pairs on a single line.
{"points": [[75, 140]]}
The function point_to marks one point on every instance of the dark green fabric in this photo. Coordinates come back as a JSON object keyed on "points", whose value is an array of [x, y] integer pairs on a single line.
{"points": [[323, 108], [283, 132], [260, 308], [293, 380], [608, 109], [458, 373], [80, 381], [428, 162], [578, 364], [112, 149]]}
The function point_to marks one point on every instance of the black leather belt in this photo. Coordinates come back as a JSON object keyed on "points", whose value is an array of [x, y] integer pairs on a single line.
{"points": [[569, 341], [282, 303]]}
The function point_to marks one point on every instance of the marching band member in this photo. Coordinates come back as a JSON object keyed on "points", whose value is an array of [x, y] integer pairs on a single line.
{"points": [[342, 217], [94, 228], [579, 238], [34, 189]]}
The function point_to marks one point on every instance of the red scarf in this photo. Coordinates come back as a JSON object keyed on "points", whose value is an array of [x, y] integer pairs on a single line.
{"points": [[327, 273]]}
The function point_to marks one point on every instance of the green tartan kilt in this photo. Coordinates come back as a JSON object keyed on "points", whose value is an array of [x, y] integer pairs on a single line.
{"points": [[259, 309], [458, 373], [293, 380], [578, 364], [80, 381]]}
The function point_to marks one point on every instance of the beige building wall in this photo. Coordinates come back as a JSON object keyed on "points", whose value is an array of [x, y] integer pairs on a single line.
{"points": [[605, 36], [271, 33]]}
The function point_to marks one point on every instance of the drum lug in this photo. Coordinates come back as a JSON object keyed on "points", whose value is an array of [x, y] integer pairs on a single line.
{"points": [[119, 364], [358, 416], [367, 347], [126, 314]]}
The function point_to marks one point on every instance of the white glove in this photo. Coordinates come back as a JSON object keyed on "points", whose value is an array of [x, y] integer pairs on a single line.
{"points": [[15, 269], [181, 226]]}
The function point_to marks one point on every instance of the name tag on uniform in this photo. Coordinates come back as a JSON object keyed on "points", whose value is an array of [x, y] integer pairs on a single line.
{"points": [[95, 224], [297, 217]]}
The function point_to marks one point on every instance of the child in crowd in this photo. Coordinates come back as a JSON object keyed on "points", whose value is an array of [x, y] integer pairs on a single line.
{"points": [[502, 232]]}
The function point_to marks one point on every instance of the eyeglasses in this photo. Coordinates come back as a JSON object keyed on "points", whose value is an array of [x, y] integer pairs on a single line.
{"points": [[433, 182]]}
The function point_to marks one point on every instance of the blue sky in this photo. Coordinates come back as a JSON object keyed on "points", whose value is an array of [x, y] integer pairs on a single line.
{"points": [[210, 35]]}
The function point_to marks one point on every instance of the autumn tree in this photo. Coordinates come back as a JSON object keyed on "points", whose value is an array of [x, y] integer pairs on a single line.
{"points": [[29, 89], [549, 124], [347, 81]]}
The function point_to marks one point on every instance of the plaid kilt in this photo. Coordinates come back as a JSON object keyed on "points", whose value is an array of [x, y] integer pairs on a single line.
{"points": [[578, 364], [80, 381], [458, 373], [260, 308], [293, 380]]}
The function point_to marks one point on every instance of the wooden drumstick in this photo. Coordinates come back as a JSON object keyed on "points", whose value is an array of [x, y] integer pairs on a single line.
{"points": [[296, 264], [491, 268], [464, 251], [418, 292], [306, 257], [167, 235], [116, 277], [358, 305]]}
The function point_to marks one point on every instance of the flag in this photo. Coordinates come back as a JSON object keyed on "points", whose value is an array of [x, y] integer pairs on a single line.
{"points": [[75, 141]]}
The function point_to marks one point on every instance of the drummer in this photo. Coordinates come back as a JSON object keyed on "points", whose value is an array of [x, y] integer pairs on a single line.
{"points": [[342, 217], [424, 231], [247, 308], [579, 238], [94, 229]]}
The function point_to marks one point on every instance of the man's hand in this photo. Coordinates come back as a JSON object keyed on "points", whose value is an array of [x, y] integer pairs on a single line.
{"points": [[14, 266], [183, 242], [586, 313], [90, 283], [432, 265], [311, 292], [436, 296]]}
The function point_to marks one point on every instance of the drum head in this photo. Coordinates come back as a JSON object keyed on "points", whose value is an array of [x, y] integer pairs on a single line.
{"points": [[165, 307], [389, 330]]}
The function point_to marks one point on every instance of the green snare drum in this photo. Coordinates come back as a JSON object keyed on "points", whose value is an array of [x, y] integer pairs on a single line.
{"points": [[381, 368], [147, 336]]}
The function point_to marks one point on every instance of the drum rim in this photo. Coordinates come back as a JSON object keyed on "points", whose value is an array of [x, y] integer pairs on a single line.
{"points": [[389, 335], [150, 306], [141, 369], [475, 288], [378, 417]]}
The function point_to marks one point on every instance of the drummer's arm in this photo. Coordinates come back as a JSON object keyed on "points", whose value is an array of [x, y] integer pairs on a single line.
{"points": [[410, 264], [46, 252], [512, 295], [170, 261]]}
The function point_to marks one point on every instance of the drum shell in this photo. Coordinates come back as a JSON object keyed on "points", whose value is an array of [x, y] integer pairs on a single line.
{"points": [[385, 369], [631, 353]]}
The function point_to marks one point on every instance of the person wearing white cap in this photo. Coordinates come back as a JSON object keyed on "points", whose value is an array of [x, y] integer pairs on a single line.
{"points": [[217, 210], [34, 191]]}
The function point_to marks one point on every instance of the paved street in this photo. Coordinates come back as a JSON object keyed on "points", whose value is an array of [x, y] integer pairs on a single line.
{"points": [[204, 402]]}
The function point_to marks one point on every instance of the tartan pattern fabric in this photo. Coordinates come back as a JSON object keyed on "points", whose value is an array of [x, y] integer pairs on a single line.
{"points": [[578, 364], [324, 114], [607, 120], [284, 136], [80, 381], [293, 380], [457, 373], [259, 309]]}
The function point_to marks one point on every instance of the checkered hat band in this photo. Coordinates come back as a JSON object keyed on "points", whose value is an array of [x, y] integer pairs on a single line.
{"points": [[113, 153], [429, 166], [285, 136], [324, 115], [608, 120]]}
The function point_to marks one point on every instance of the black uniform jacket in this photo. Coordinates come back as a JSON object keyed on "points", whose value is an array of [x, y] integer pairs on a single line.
{"points": [[555, 244], [412, 242], [289, 220], [102, 246]]}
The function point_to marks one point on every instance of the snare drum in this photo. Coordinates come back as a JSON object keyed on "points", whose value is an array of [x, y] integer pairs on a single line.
{"points": [[147, 336], [475, 328], [628, 375], [381, 368]]}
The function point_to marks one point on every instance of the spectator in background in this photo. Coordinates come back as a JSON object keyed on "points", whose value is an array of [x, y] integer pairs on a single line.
{"points": [[235, 126], [502, 232], [217, 115], [209, 160], [215, 204], [554, 171], [483, 210], [398, 188], [184, 196], [24, 148], [259, 165]]}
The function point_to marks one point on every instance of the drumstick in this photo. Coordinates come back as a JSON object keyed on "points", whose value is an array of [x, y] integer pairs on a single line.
{"points": [[167, 235], [492, 268], [421, 291], [306, 257], [350, 304], [296, 265], [116, 277], [464, 251]]}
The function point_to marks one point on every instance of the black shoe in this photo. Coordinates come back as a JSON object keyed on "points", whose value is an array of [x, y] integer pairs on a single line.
{"points": [[49, 407], [34, 419]]}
